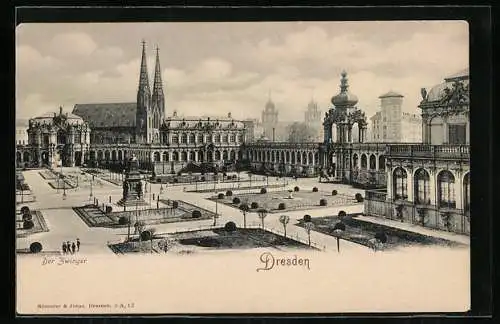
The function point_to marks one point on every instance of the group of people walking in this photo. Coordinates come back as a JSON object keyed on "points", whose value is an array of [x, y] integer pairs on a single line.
{"points": [[71, 248]]}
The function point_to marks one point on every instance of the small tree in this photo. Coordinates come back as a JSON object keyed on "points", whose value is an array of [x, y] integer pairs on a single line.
{"points": [[307, 218], [334, 192], [281, 206], [147, 235], [284, 219], [342, 214], [220, 196], [244, 209], [296, 189], [254, 205], [36, 247], [263, 190], [230, 227], [309, 226], [28, 224], [315, 189], [229, 193], [262, 215], [236, 200], [323, 202]]}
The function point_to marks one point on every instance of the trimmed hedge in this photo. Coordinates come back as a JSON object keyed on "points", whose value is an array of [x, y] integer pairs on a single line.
{"points": [[281, 206], [358, 196], [323, 202], [296, 189], [315, 189], [36, 247], [307, 218], [28, 224], [196, 214], [25, 210], [263, 190], [220, 196], [230, 227], [229, 193], [254, 205], [360, 199], [146, 235], [342, 214], [244, 207], [334, 192], [236, 200], [123, 220]]}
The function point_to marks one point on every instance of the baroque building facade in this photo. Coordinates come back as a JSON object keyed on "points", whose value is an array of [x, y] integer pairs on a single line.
{"points": [[429, 183]]}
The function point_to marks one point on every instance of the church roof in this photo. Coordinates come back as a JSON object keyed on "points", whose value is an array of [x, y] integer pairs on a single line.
{"points": [[107, 114]]}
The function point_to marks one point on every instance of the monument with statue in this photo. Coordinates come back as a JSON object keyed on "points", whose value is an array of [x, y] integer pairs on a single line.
{"points": [[133, 193]]}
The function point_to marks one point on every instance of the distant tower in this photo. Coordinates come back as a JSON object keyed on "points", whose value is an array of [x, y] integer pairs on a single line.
{"points": [[269, 118], [313, 119], [391, 112], [157, 100], [143, 117]]}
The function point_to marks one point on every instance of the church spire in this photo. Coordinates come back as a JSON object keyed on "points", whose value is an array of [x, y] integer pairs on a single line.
{"points": [[158, 84], [144, 79]]}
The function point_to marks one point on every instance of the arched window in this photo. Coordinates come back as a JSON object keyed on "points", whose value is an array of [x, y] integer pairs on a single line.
{"points": [[304, 158], [106, 155], [217, 155], [120, 155], [224, 155], [175, 139], [400, 184], [287, 157], [224, 138], [113, 155], [422, 187], [175, 156], [363, 161], [184, 139], [200, 138], [232, 155], [293, 157], [381, 162], [446, 189], [355, 160], [184, 156], [157, 156], [467, 192], [217, 138], [191, 138], [192, 156], [311, 158], [373, 162], [165, 156]]}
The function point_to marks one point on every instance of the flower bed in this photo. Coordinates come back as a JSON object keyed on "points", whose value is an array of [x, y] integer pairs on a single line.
{"points": [[39, 224], [279, 201], [362, 232], [48, 175]]}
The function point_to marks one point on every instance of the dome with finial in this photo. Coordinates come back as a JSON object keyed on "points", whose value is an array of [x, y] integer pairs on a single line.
{"points": [[344, 98], [270, 105]]}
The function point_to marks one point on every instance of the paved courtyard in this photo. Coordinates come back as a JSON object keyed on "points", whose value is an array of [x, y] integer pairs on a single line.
{"points": [[65, 225]]}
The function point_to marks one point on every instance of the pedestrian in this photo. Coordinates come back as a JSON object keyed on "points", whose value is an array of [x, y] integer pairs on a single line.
{"points": [[78, 245], [64, 247], [68, 244], [73, 248]]}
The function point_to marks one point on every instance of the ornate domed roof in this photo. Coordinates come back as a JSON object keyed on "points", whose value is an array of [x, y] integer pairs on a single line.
{"points": [[439, 91], [344, 98], [270, 105]]}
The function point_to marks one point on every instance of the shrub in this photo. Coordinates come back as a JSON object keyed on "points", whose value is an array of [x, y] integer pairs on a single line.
{"points": [[315, 189], [175, 204], [323, 202], [230, 227], [229, 193], [122, 220], [28, 224], [36, 247], [281, 206], [220, 196], [236, 200], [244, 207], [254, 205], [175, 180], [146, 235], [263, 190], [381, 236], [296, 189], [342, 214], [307, 218], [25, 210], [359, 199], [358, 196], [196, 214], [109, 209], [27, 216], [202, 179], [334, 192]]}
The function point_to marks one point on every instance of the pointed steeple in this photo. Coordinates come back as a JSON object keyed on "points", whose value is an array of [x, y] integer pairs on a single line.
{"points": [[158, 97], [144, 79]]}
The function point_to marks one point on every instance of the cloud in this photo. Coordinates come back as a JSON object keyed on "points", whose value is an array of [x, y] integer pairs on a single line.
{"points": [[72, 44]]}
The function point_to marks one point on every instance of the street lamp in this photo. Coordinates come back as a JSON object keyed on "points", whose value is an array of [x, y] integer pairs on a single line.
{"points": [[338, 229]]}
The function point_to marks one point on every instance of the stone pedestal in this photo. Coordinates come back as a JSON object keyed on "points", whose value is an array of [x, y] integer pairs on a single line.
{"points": [[131, 186]]}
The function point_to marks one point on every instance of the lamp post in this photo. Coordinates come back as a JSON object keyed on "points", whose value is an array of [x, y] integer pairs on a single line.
{"points": [[91, 182], [338, 229]]}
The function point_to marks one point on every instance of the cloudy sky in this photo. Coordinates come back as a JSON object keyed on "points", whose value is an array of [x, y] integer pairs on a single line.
{"points": [[216, 68]]}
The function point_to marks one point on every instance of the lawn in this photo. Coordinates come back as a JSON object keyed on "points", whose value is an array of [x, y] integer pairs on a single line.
{"points": [[362, 232], [300, 200], [209, 239]]}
